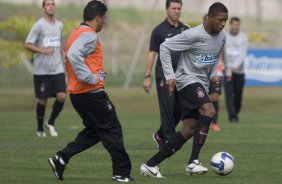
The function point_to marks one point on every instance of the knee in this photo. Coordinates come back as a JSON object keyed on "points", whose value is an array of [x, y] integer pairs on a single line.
{"points": [[61, 97], [42, 101], [209, 112]]}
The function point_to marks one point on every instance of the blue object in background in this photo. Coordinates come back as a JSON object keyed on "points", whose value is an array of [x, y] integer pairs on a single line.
{"points": [[263, 67]]}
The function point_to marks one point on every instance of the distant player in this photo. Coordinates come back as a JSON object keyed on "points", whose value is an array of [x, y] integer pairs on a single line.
{"points": [[201, 48], [86, 82], [235, 53], [44, 40]]}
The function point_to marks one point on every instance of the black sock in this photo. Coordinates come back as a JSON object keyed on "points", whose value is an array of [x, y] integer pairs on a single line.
{"points": [[40, 110], [216, 106], [57, 107], [174, 143], [200, 135]]}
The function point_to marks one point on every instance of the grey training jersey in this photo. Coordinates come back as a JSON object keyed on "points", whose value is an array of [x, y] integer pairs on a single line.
{"points": [[199, 59], [235, 52], [44, 34]]}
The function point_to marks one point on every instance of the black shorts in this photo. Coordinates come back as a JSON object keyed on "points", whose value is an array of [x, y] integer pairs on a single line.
{"points": [[49, 85], [192, 97], [215, 89]]}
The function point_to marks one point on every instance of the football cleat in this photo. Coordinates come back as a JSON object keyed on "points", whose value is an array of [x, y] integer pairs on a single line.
{"points": [[52, 130], [41, 134], [150, 171], [123, 179], [57, 167], [195, 168], [215, 127]]}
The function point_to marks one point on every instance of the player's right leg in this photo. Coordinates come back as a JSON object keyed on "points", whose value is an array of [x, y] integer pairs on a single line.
{"points": [[40, 111], [41, 94]]}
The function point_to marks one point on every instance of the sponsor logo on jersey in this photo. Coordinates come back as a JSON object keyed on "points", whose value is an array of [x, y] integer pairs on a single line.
{"points": [[51, 41], [206, 59]]}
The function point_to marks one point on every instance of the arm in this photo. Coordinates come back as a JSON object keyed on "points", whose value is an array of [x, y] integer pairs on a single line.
{"points": [[243, 51], [227, 67], [155, 42], [213, 77], [84, 45], [147, 83], [31, 47], [62, 45], [31, 39], [179, 42]]}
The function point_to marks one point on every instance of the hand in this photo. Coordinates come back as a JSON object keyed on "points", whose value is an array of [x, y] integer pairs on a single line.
{"points": [[170, 85], [228, 78], [48, 51], [147, 84], [216, 80], [234, 69]]}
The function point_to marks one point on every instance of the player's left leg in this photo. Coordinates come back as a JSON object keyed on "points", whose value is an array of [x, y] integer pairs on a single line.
{"points": [[59, 87], [238, 91], [229, 93], [201, 131], [202, 112], [173, 144]]}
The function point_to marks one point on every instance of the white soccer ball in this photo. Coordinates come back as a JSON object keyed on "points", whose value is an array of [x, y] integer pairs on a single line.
{"points": [[222, 163]]}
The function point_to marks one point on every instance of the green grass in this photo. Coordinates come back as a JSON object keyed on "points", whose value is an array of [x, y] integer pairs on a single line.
{"points": [[255, 142]]}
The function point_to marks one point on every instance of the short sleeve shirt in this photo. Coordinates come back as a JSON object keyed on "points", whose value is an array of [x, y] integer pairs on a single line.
{"points": [[46, 35]]}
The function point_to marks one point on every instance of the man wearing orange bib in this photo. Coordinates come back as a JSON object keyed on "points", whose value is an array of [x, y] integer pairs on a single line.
{"points": [[86, 81]]}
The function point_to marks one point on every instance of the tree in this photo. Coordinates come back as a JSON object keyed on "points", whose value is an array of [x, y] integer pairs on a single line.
{"points": [[13, 33]]}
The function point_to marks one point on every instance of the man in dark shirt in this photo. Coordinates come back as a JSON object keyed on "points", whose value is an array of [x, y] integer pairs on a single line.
{"points": [[170, 109]]}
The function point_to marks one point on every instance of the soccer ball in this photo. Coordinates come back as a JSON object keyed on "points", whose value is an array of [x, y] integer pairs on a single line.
{"points": [[222, 163]]}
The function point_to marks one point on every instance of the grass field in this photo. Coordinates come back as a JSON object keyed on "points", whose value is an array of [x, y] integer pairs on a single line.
{"points": [[255, 142]]}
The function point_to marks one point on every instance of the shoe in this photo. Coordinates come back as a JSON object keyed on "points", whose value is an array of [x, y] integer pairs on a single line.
{"points": [[150, 171], [41, 134], [52, 130], [57, 167], [196, 168], [233, 119], [215, 127], [124, 179], [158, 140]]}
